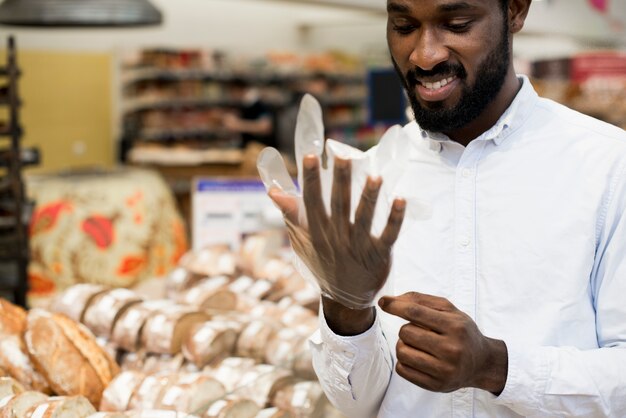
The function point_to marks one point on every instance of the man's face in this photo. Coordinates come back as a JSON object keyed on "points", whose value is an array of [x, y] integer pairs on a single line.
{"points": [[451, 55]]}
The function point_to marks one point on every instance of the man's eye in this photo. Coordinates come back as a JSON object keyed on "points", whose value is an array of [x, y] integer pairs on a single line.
{"points": [[404, 29], [458, 27]]}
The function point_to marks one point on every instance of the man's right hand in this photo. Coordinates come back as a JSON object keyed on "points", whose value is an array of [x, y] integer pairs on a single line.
{"points": [[350, 264]]}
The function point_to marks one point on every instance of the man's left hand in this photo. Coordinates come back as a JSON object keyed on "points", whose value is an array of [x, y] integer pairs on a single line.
{"points": [[441, 349]]}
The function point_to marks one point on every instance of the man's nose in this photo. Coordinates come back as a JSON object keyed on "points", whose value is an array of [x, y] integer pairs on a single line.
{"points": [[429, 50]]}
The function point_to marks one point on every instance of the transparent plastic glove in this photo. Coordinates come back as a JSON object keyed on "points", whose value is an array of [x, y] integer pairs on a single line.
{"points": [[337, 251]]}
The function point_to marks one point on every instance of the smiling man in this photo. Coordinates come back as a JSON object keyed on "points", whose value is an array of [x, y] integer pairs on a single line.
{"points": [[508, 300]]}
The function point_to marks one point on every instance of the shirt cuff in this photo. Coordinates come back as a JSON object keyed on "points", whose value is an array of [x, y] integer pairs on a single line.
{"points": [[528, 374], [345, 351]]}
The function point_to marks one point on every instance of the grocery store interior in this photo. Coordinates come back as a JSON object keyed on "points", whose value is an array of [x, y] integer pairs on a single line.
{"points": [[128, 148]]}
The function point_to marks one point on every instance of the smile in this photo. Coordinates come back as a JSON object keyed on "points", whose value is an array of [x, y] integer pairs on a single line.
{"points": [[438, 90]]}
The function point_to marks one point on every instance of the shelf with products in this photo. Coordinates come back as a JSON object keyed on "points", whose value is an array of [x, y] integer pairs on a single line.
{"points": [[172, 96]]}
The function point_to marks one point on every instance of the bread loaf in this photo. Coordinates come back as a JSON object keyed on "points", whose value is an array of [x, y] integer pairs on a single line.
{"points": [[108, 415], [211, 261], [15, 359], [281, 348], [192, 393], [62, 407], [254, 338], [17, 405], [157, 413], [104, 365], [162, 363], [230, 371], [116, 396], [211, 293], [148, 393], [127, 329], [104, 310], [232, 407], [302, 399], [164, 331], [274, 413], [74, 300], [12, 318], [10, 386], [62, 364], [208, 341], [262, 382]]}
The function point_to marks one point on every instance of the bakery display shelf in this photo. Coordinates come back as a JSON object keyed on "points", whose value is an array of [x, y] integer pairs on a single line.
{"points": [[142, 104], [154, 135], [137, 75]]}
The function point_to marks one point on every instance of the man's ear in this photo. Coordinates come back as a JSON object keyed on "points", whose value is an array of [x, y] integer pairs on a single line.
{"points": [[518, 10]]}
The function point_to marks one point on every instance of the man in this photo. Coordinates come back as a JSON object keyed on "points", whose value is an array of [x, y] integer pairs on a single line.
{"points": [[508, 300], [254, 120]]}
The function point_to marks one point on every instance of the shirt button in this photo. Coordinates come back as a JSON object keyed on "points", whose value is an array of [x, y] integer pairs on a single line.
{"points": [[466, 172], [464, 242]]}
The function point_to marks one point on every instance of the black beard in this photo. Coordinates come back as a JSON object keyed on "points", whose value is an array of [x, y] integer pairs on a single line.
{"points": [[474, 99]]}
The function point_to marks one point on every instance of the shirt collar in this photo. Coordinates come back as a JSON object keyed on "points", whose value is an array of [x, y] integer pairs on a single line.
{"points": [[512, 118]]}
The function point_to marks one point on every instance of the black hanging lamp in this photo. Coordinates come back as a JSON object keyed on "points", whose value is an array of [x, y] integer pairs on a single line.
{"points": [[79, 13]]}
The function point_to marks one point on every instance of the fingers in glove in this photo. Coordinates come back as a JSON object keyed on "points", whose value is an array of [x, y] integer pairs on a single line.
{"points": [[312, 196], [288, 204], [340, 198], [365, 211], [394, 223]]}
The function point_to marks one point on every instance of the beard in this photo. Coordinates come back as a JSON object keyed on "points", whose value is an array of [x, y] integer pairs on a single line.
{"points": [[474, 99]]}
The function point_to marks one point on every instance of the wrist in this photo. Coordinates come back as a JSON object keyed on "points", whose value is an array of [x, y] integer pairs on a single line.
{"points": [[494, 373], [346, 321]]}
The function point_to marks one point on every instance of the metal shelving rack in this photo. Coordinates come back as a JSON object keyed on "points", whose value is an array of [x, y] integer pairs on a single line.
{"points": [[15, 210]]}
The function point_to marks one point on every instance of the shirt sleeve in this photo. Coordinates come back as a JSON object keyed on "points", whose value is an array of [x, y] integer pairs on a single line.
{"points": [[569, 382], [353, 371]]}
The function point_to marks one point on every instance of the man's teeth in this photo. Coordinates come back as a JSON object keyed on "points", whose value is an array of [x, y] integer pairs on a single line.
{"points": [[438, 84]]}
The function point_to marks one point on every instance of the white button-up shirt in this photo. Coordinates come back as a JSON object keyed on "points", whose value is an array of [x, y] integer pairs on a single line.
{"points": [[527, 235]]}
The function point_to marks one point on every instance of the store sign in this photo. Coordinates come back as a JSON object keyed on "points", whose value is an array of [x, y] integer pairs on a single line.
{"points": [[607, 64], [224, 210]]}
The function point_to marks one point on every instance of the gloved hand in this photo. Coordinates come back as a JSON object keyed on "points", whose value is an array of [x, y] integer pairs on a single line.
{"points": [[330, 229]]}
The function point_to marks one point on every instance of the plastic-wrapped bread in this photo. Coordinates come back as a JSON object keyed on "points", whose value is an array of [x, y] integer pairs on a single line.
{"points": [[256, 250], [266, 310], [254, 338], [148, 393], [74, 300], [179, 280], [281, 348], [105, 308], [303, 399], [303, 361], [127, 329], [230, 371], [63, 365], [157, 413], [308, 297], [116, 396], [262, 382], [240, 286], [17, 405], [210, 261], [12, 318], [62, 407], [211, 293], [192, 393], [102, 414], [10, 386], [165, 330], [162, 363], [232, 407], [295, 316], [274, 412], [209, 341], [260, 289], [132, 360]]}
